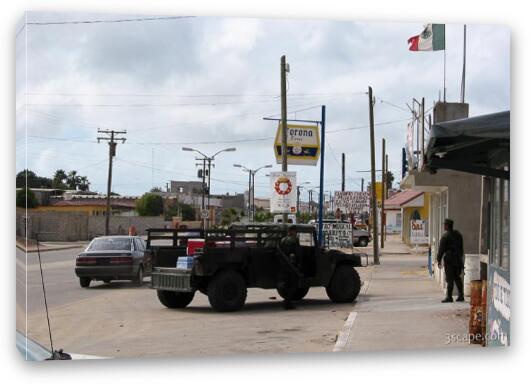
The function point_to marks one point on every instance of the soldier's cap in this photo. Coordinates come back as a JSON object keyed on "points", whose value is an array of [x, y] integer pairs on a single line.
{"points": [[449, 222]]}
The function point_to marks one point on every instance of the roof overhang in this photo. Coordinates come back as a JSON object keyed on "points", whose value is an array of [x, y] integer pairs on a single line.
{"points": [[478, 145]]}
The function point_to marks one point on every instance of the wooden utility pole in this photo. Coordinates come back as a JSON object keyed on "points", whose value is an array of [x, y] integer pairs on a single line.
{"points": [[112, 139], [376, 256], [342, 172], [386, 188], [386, 175], [284, 121], [382, 209]]}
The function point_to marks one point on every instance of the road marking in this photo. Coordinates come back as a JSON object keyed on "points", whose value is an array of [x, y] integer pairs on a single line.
{"points": [[343, 337]]}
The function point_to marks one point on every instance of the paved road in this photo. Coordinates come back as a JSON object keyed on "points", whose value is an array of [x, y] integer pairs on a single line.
{"points": [[121, 320], [58, 271]]}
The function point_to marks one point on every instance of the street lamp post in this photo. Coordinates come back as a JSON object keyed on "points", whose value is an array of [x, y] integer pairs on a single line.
{"points": [[299, 187], [310, 200], [252, 173], [207, 160]]}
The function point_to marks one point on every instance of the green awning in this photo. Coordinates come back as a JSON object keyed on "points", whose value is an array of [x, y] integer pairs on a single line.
{"points": [[479, 145]]}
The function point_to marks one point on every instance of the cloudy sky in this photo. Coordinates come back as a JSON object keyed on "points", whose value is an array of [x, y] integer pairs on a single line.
{"points": [[207, 83]]}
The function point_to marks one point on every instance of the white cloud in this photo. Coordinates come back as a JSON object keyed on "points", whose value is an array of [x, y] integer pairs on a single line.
{"points": [[146, 78]]}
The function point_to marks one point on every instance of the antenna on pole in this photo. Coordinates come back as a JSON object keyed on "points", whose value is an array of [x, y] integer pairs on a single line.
{"points": [[464, 66]]}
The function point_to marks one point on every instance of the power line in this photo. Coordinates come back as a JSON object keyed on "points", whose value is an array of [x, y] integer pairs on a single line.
{"points": [[391, 104], [43, 23], [339, 164], [226, 181], [229, 141], [188, 104], [201, 122], [196, 95], [108, 21], [367, 126]]}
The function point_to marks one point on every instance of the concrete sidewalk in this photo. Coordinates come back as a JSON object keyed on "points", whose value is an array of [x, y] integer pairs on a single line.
{"points": [[48, 245], [400, 307]]}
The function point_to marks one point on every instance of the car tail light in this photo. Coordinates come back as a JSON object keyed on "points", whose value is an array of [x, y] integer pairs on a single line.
{"points": [[122, 260], [86, 260]]}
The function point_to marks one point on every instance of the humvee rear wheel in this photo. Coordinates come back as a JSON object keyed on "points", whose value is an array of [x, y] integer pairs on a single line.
{"points": [[345, 285], [296, 294], [227, 291], [172, 299]]}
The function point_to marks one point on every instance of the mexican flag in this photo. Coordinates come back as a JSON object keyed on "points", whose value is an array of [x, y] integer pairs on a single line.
{"points": [[431, 39]]}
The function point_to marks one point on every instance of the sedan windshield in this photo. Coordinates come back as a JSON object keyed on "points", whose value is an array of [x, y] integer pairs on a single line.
{"points": [[110, 244]]}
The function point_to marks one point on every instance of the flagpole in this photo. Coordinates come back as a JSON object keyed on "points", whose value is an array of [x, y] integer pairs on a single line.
{"points": [[464, 66], [444, 75]]}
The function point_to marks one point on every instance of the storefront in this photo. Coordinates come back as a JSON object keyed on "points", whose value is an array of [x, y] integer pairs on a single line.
{"points": [[481, 146]]}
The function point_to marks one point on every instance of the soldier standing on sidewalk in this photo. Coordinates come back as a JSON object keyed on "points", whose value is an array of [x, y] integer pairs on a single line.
{"points": [[451, 251], [291, 247]]}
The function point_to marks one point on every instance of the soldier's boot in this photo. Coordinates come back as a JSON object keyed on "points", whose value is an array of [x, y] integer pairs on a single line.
{"points": [[447, 300], [449, 288], [459, 284]]}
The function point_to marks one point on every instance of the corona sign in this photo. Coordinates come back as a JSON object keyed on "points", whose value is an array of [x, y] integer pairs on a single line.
{"points": [[304, 146]]}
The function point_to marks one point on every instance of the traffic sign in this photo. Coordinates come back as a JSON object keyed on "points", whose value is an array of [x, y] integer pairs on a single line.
{"points": [[204, 214]]}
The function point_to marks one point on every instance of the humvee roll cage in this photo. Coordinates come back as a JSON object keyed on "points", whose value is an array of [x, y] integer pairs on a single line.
{"points": [[267, 236]]}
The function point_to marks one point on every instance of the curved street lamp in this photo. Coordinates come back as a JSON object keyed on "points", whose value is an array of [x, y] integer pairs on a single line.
{"points": [[207, 159], [252, 172]]}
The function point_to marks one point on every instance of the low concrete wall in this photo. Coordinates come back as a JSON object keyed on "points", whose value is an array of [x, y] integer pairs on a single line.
{"points": [[119, 225], [52, 226], [74, 226]]}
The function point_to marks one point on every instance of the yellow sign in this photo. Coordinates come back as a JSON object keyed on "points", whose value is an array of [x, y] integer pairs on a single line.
{"points": [[379, 193], [304, 146]]}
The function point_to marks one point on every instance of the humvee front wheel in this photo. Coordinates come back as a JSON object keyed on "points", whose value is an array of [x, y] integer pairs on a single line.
{"points": [[172, 299], [296, 294], [227, 291], [345, 285]]}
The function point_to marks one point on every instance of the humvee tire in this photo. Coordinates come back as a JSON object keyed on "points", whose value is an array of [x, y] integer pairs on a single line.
{"points": [[227, 291], [297, 294], [172, 299], [345, 285]]}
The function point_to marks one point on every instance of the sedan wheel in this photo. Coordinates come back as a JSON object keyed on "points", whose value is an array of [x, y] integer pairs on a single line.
{"points": [[84, 282]]}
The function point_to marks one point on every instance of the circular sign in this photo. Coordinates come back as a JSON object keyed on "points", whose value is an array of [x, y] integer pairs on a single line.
{"points": [[283, 186], [297, 150], [204, 214]]}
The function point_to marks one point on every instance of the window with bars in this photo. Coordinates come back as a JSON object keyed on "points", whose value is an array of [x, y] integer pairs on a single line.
{"points": [[499, 237]]}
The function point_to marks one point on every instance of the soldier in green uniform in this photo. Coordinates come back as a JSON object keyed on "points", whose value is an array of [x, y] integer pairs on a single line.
{"points": [[451, 253], [291, 247]]}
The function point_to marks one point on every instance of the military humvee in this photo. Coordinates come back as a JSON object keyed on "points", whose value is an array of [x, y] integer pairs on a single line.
{"points": [[246, 256]]}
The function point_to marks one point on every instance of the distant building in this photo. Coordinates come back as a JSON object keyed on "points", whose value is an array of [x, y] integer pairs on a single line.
{"points": [[186, 187], [403, 207], [93, 205], [264, 203], [236, 201], [43, 195]]}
